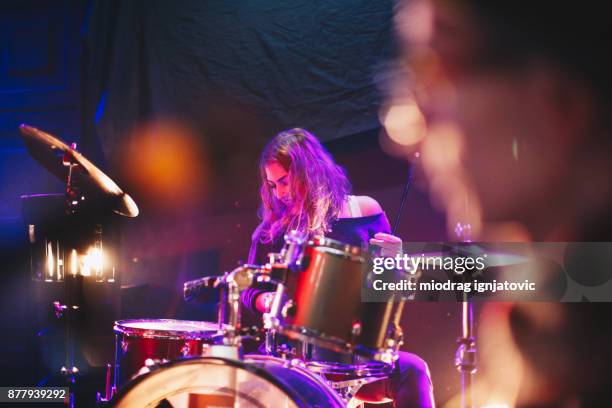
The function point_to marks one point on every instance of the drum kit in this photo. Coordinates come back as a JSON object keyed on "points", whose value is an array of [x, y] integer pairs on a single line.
{"points": [[321, 342], [320, 347]]}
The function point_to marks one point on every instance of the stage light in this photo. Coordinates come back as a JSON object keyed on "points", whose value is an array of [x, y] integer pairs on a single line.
{"points": [[97, 262], [74, 262], [85, 265], [50, 262], [404, 123]]}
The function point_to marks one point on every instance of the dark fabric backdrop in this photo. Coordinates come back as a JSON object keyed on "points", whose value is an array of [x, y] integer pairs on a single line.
{"points": [[313, 64]]}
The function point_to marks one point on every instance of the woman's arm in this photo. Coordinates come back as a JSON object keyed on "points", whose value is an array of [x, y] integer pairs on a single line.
{"points": [[255, 298], [390, 245]]}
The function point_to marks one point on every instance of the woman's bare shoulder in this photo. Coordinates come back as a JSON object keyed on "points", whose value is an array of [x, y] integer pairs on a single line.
{"points": [[368, 206]]}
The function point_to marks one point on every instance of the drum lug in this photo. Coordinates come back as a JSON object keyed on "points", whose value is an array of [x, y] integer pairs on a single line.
{"points": [[124, 346], [387, 356], [292, 250], [288, 353], [223, 351], [394, 338], [356, 329], [185, 349], [270, 322], [150, 364], [293, 362], [397, 336], [59, 309], [289, 309], [348, 389]]}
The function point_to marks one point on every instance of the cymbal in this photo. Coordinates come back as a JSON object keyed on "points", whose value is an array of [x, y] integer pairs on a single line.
{"points": [[49, 151]]}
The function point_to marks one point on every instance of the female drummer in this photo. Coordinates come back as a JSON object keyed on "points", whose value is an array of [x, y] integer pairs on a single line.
{"points": [[303, 189]]}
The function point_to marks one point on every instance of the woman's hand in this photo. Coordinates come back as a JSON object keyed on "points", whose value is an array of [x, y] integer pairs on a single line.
{"points": [[390, 245]]}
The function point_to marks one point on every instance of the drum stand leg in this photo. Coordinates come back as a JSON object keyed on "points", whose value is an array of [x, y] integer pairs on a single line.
{"points": [[271, 321], [109, 389], [465, 356], [69, 311], [348, 389], [270, 342]]}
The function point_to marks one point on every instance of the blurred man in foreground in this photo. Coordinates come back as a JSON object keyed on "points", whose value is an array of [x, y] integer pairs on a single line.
{"points": [[516, 98]]}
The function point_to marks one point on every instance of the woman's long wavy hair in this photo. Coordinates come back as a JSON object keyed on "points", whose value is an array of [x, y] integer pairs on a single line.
{"points": [[319, 187]]}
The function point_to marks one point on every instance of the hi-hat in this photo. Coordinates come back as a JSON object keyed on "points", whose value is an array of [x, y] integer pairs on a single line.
{"points": [[50, 152]]}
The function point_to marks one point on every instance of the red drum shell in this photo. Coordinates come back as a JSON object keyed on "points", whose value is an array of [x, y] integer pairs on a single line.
{"points": [[328, 310], [159, 340]]}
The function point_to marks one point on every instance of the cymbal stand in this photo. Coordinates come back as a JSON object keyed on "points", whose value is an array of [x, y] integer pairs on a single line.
{"points": [[271, 320], [73, 285], [72, 193], [465, 355], [288, 259], [233, 284]]}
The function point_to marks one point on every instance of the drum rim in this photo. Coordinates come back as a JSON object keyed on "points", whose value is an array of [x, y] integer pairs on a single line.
{"points": [[120, 329], [375, 369], [330, 342], [321, 240], [335, 247], [339, 253], [243, 364]]}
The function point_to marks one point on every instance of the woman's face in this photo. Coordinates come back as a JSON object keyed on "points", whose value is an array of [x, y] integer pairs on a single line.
{"points": [[278, 182]]}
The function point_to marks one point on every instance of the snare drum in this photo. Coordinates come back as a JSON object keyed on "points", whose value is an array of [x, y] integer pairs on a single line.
{"points": [[256, 381], [341, 366], [137, 341], [326, 307]]}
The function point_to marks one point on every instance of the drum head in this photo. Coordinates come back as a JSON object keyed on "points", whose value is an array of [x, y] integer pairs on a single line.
{"points": [[215, 382], [166, 328], [342, 372]]}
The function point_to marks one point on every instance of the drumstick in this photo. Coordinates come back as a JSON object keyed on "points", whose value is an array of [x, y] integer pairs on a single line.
{"points": [[403, 200]]}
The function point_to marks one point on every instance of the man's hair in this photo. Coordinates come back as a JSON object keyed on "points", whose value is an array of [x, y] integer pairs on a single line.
{"points": [[319, 187], [574, 35]]}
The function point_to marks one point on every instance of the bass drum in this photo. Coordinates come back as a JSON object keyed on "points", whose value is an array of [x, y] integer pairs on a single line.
{"points": [[256, 381]]}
